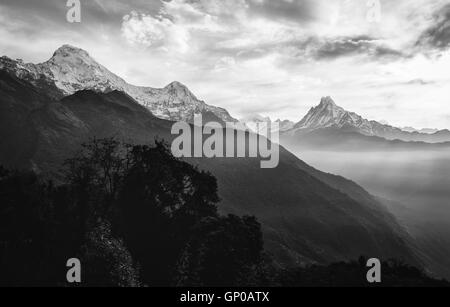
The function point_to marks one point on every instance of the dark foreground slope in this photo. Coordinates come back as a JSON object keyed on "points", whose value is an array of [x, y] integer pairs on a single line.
{"points": [[307, 216]]}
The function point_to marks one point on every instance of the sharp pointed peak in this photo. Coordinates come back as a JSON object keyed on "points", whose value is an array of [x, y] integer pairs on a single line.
{"points": [[327, 101]]}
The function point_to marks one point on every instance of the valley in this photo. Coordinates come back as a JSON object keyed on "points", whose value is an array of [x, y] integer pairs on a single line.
{"points": [[308, 216], [414, 186], [208, 143]]}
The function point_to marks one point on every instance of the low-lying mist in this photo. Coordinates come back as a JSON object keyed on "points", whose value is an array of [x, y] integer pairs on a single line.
{"points": [[419, 179], [415, 185]]}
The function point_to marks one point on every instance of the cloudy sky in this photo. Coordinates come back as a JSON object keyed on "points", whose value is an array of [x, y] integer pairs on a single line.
{"points": [[385, 59]]}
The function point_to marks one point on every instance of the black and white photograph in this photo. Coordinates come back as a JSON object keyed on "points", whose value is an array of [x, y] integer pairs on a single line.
{"points": [[205, 144]]}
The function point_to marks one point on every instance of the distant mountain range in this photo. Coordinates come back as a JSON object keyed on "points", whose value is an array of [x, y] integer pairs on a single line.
{"points": [[328, 120], [48, 110], [71, 69], [330, 127], [424, 130], [329, 115], [255, 121]]}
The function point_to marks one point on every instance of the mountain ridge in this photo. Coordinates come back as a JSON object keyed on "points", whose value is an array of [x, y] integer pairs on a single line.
{"points": [[72, 69], [256, 121], [305, 220], [328, 115]]}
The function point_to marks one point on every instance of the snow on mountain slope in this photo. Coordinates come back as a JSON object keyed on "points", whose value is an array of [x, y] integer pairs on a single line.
{"points": [[72, 69], [329, 115], [255, 121]]}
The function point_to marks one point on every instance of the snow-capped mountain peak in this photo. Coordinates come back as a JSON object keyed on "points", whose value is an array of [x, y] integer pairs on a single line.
{"points": [[254, 121], [69, 51], [328, 115], [72, 69], [179, 90], [327, 102], [256, 118]]}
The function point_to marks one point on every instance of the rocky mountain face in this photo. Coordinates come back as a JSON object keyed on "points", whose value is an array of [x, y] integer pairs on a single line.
{"points": [[307, 216], [328, 115], [71, 69]]}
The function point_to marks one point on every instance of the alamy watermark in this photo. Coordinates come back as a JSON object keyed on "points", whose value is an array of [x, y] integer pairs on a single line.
{"points": [[74, 13], [232, 140], [74, 273], [374, 274]]}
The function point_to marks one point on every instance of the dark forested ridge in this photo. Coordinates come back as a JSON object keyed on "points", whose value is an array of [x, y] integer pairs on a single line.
{"points": [[136, 216], [133, 215], [306, 216]]}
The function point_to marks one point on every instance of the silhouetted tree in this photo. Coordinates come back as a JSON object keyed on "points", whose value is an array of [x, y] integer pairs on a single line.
{"points": [[132, 214], [96, 173], [161, 200], [222, 251], [107, 260], [39, 230], [135, 215]]}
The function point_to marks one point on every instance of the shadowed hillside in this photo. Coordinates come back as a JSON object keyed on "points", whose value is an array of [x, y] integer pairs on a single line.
{"points": [[304, 218]]}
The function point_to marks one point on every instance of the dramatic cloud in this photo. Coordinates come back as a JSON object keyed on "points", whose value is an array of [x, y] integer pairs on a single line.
{"points": [[387, 60], [152, 31], [438, 35], [354, 46]]}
